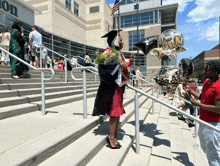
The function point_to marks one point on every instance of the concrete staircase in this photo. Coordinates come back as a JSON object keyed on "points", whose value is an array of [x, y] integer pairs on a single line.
{"points": [[62, 137], [19, 96], [165, 140]]}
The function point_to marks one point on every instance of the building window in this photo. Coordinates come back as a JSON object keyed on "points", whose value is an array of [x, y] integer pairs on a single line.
{"points": [[133, 38], [68, 4], [131, 20], [159, 17], [129, 1], [94, 9], [76, 8], [156, 17]]}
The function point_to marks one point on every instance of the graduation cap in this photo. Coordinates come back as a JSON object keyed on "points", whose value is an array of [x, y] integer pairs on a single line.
{"points": [[147, 44], [111, 36]]}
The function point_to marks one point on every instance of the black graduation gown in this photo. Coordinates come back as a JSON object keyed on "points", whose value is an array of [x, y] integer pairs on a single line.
{"points": [[106, 91]]}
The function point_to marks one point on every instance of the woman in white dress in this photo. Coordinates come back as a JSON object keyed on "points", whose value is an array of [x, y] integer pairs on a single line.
{"points": [[4, 43]]}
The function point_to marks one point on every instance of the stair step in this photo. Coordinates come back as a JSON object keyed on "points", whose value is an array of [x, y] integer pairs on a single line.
{"points": [[189, 156], [38, 137], [81, 151], [30, 80], [53, 100], [147, 133], [23, 92], [38, 85], [37, 97], [106, 156], [161, 150], [38, 75]]}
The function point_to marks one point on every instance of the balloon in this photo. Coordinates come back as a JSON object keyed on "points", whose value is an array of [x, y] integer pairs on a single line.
{"points": [[147, 44], [168, 43], [186, 67], [158, 52], [171, 41]]}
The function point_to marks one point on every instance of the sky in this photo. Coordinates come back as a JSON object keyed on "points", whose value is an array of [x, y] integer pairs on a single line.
{"points": [[198, 21]]}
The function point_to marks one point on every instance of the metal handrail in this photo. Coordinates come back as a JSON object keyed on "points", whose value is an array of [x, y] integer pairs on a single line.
{"points": [[84, 85], [65, 60], [143, 80], [84, 59], [42, 76], [154, 85], [169, 106], [196, 126]]}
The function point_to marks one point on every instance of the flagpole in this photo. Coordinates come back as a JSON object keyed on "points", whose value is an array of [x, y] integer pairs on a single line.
{"points": [[118, 19]]}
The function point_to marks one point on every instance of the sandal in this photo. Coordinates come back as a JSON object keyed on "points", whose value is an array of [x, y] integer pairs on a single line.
{"points": [[15, 77], [109, 141], [190, 123], [21, 76], [117, 143]]}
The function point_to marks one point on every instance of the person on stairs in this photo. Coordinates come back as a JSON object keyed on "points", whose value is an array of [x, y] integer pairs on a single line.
{"points": [[17, 48], [109, 98], [5, 37], [181, 104]]}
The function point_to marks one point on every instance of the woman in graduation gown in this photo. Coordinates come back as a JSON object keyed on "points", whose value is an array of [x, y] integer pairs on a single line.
{"points": [[109, 98]]}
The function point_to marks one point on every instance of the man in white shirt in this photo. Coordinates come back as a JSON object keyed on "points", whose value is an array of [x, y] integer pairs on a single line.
{"points": [[35, 41], [87, 60]]}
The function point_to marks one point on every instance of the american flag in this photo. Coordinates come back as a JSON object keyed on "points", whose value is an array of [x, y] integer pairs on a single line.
{"points": [[115, 7]]}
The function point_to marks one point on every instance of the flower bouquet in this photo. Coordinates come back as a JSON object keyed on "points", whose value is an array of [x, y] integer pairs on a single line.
{"points": [[111, 58]]}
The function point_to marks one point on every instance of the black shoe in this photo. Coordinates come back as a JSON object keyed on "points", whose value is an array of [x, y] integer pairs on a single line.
{"points": [[109, 144], [181, 118], [191, 125], [118, 144]]}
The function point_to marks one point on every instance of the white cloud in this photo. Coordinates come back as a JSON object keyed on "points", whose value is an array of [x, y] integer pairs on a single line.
{"points": [[181, 3], [211, 33], [186, 38], [206, 9]]}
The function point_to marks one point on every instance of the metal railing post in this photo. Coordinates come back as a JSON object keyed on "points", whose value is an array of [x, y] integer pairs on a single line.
{"points": [[137, 124], [84, 85], [41, 58], [95, 74], [138, 83], [152, 101], [84, 95], [65, 70], [196, 123], [42, 76], [157, 92], [42, 84], [43, 93], [167, 105]]}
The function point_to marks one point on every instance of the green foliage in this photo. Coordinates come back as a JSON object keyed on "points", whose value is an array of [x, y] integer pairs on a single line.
{"points": [[100, 60]]}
